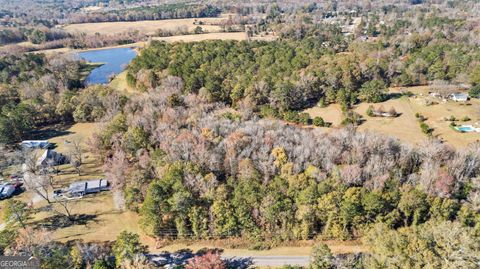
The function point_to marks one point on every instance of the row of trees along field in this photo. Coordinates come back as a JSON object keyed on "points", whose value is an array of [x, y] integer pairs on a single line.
{"points": [[410, 247], [162, 12]]}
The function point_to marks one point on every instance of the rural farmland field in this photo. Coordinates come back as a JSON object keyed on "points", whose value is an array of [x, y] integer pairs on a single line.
{"points": [[201, 37], [144, 27]]}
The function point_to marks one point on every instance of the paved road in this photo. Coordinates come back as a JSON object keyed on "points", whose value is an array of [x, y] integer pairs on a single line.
{"points": [[274, 260]]}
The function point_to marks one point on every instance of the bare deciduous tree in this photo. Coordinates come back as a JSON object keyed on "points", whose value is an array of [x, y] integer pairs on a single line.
{"points": [[76, 155]]}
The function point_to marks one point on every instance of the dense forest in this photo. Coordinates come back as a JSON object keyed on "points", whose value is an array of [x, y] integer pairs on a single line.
{"points": [[290, 75], [204, 148], [193, 168]]}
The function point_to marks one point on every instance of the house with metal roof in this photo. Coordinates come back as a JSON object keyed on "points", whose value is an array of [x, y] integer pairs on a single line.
{"points": [[459, 97], [86, 187], [35, 144], [51, 157]]}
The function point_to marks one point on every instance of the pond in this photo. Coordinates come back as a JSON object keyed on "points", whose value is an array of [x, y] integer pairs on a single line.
{"points": [[114, 61]]}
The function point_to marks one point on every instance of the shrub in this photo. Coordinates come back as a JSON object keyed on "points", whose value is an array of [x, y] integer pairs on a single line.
{"points": [[209, 260], [466, 118], [352, 117], [392, 112], [474, 91], [318, 121], [420, 117], [291, 116], [408, 94], [321, 257], [198, 30], [425, 128], [267, 111], [370, 111], [305, 118]]}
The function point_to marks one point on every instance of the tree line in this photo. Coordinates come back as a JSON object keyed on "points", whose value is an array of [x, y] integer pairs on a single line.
{"points": [[162, 12]]}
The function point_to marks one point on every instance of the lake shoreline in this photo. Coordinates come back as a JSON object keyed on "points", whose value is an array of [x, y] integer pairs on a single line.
{"points": [[109, 62]]}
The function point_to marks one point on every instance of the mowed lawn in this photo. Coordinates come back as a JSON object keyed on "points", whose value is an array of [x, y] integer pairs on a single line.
{"points": [[144, 27], [406, 126], [79, 131]]}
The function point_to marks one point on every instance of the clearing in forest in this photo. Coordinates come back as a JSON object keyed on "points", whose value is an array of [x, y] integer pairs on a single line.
{"points": [[145, 27], [201, 37], [406, 127]]}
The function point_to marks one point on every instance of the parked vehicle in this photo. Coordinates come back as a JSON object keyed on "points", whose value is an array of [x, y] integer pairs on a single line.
{"points": [[7, 190]]}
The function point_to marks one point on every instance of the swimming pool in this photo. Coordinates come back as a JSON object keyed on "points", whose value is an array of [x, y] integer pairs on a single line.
{"points": [[466, 128]]}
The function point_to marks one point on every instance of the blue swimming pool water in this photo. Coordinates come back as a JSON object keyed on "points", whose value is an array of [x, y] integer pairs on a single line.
{"points": [[115, 61], [465, 129]]}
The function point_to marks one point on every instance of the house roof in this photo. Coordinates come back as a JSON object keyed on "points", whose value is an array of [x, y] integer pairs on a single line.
{"points": [[35, 143], [90, 184], [460, 95], [48, 154]]}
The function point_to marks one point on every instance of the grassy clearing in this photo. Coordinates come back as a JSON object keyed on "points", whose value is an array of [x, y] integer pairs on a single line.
{"points": [[101, 221], [406, 126], [120, 84], [145, 27], [332, 113], [201, 37], [78, 131]]}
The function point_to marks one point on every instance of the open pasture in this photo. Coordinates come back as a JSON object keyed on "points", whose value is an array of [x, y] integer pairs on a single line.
{"points": [[406, 126], [144, 27]]}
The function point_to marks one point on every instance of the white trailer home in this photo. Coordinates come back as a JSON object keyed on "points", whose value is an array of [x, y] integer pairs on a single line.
{"points": [[86, 187]]}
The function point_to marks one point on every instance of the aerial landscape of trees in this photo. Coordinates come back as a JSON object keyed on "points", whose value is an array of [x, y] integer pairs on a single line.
{"points": [[212, 142]]}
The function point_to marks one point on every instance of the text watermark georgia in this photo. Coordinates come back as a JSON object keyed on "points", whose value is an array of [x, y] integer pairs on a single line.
{"points": [[19, 262]]}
